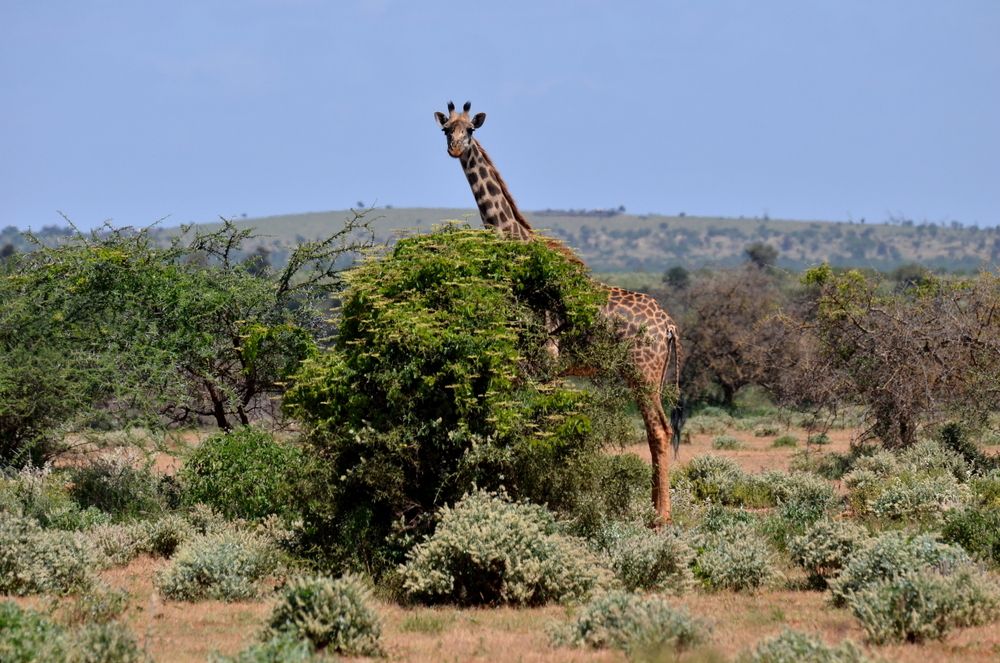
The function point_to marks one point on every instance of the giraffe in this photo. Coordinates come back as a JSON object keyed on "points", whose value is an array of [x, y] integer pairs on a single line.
{"points": [[649, 330]]}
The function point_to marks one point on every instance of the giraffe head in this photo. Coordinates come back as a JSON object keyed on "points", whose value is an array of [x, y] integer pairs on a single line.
{"points": [[458, 127]]}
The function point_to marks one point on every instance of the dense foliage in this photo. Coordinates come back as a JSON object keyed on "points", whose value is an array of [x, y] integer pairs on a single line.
{"points": [[440, 381], [112, 327]]}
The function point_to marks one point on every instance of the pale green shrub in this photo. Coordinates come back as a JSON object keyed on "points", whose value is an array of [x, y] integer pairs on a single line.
{"points": [[744, 564], [825, 547], [642, 558], [709, 422], [632, 623], [726, 442], [27, 636], [918, 604], [795, 647], [34, 560], [929, 456], [712, 477], [922, 498], [334, 615], [228, 566], [488, 550], [42, 494], [120, 543], [730, 554], [283, 648], [99, 605], [102, 643], [891, 554]]}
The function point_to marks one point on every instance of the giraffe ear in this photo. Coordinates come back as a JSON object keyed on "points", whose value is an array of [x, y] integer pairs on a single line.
{"points": [[440, 117], [478, 120]]}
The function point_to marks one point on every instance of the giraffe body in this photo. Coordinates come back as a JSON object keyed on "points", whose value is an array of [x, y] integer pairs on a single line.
{"points": [[638, 318]]}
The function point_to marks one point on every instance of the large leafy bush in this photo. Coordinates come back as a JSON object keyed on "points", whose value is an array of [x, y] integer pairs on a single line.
{"points": [[440, 381]]}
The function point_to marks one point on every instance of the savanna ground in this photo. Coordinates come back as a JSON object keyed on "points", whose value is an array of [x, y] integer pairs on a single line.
{"points": [[182, 632]]}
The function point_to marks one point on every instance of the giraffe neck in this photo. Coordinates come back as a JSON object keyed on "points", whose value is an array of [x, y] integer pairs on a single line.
{"points": [[496, 205]]}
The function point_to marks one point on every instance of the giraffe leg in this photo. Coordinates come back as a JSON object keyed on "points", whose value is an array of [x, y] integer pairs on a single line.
{"points": [[658, 437]]}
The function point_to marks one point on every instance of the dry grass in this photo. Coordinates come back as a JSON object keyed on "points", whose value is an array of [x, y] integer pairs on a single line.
{"points": [[182, 632]]}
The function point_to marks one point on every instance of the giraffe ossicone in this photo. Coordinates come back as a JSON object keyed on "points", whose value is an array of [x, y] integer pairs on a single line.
{"points": [[638, 318]]}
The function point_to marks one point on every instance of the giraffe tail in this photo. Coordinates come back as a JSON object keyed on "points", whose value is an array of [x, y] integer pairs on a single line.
{"points": [[677, 413]]}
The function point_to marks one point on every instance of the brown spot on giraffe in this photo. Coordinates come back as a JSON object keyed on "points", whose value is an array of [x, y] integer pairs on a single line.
{"points": [[641, 321]]}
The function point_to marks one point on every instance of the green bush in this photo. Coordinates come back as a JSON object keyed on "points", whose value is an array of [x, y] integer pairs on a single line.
{"points": [[34, 560], [977, 530], [334, 615], [621, 493], [727, 442], [119, 485], [917, 498], [27, 636], [712, 477], [785, 441], [41, 494], [644, 559], [766, 430], [244, 473], [818, 439], [228, 566], [986, 490], [730, 554], [915, 605], [280, 649], [103, 643], [440, 382], [891, 554], [795, 647], [632, 623], [120, 543], [486, 550], [825, 547]]}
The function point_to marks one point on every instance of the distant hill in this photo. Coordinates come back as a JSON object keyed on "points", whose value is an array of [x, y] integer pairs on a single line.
{"points": [[617, 242], [610, 241]]}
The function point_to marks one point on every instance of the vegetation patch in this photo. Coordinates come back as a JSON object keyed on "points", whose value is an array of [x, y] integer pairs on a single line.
{"points": [[647, 559], [487, 550], [229, 566], [633, 623], [35, 560], [796, 647], [333, 615], [244, 473], [919, 604], [440, 381]]}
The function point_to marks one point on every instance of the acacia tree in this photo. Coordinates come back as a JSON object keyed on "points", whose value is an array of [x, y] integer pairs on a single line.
{"points": [[115, 322], [929, 353], [731, 336]]}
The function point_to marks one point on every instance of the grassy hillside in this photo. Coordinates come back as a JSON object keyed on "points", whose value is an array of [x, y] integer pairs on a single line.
{"points": [[612, 242], [626, 242]]}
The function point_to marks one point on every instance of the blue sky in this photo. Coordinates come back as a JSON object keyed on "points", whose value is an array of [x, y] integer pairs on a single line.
{"points": [[827, 109]]}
